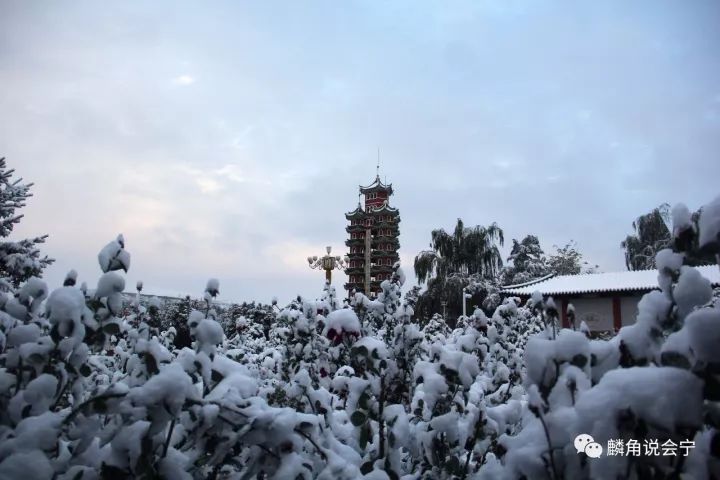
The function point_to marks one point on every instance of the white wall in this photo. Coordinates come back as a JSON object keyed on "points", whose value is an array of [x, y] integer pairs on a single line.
{"points": [[628, 309], [597, 313]]}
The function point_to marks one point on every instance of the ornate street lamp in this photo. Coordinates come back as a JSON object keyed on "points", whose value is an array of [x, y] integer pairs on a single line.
{"points": [[328, 263]]}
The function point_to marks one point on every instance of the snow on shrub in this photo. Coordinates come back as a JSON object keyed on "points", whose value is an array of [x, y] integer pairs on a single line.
{"points": [[656, 381], [92, 388]]}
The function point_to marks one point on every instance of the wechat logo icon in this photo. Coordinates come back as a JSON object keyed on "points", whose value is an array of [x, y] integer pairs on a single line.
{"points": [[586, 443]]}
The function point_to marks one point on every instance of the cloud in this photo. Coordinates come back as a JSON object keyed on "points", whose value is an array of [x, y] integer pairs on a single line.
{"points": [[208, 185], [184, 80], [560, 120]]}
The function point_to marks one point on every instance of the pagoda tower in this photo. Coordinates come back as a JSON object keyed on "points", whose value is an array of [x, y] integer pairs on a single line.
{"points": [[372, 239]]}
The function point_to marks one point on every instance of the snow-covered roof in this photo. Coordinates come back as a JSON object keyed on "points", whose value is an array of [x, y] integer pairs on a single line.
{"points": [[357, 212], [638, 280], [377, 185], [384, 208]]}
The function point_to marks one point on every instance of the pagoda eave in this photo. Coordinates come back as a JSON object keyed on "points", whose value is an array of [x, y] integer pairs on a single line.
{"points": [[376, 186]]}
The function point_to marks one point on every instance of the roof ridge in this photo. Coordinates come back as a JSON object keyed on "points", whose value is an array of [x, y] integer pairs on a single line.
{"points": [[531, 282], [629, 280]]}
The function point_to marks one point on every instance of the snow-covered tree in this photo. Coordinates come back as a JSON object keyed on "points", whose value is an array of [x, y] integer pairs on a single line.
{"points": [[19, 259], [567, 260], [452, 260], [528, 262]]}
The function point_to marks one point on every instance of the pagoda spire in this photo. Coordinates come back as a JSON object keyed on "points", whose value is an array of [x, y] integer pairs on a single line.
{"points": [[377, 168]]}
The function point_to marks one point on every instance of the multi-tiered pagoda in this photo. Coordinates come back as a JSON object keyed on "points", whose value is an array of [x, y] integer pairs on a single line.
{"points": [[373, 239]]}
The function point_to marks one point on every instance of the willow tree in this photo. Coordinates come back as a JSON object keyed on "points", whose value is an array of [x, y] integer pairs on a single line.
{"points": [[454, 261]]}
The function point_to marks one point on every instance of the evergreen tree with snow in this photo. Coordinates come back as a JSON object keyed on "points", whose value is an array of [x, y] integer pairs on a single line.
{"points": [[20, 259], [528, 262]]}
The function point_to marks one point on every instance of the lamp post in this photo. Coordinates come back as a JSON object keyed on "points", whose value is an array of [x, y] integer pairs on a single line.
{"points": [[465, 296], [327, 263]]}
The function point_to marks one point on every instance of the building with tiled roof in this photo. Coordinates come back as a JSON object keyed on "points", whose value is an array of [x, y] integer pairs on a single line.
{"points": [[604, 301]]}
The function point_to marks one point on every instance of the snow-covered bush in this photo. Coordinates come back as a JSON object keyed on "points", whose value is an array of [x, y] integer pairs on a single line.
{"points": [[655, 382], [86, 393], [95, 384]]}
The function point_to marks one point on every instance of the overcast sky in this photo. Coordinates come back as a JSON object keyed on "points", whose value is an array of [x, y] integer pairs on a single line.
{"points": [[227, 139]]}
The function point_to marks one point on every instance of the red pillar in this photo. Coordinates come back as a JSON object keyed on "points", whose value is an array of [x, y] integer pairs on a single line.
{"points": [[564, 315], [617, 315]]}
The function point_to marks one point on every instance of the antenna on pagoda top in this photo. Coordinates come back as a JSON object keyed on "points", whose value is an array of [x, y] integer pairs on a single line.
{"points": [[377, 170]]}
